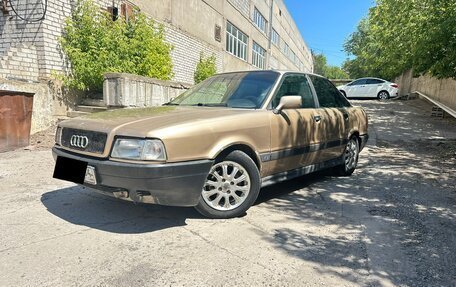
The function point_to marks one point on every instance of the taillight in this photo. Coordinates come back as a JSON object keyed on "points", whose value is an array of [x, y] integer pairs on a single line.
{"points": [[394, 85]]}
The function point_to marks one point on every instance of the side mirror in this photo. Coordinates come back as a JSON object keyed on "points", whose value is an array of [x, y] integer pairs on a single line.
{"points": [[288, 102]]}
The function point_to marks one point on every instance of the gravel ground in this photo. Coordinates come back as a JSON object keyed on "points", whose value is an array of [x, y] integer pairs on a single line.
{"points": [[393, 223]]}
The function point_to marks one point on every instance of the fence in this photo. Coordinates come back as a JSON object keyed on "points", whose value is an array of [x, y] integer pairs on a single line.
{"points": [[440, 90]]}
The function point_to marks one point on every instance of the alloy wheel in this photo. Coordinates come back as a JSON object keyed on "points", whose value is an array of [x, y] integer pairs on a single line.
{"points": [[383, 96], [227, 186], [351, 154]]}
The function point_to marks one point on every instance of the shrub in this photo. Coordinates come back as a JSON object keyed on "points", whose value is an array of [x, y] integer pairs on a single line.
{"points": [[205, 68], [94, 45]]}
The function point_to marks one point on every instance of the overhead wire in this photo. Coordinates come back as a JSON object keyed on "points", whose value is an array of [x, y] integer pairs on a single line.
{"points": [[43, 5]]}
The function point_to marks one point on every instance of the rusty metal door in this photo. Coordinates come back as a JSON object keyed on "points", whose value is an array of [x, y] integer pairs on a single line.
{"points": [[15, 120]]}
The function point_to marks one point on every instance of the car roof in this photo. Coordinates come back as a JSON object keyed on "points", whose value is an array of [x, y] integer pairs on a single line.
{"points": [[281, 72], [365, 78]]}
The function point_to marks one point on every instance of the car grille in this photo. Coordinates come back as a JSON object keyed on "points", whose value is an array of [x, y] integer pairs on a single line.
{"points": [[88, 141]]}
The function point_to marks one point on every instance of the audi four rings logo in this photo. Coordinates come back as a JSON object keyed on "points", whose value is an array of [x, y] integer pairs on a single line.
{"points": [[79, 141]]}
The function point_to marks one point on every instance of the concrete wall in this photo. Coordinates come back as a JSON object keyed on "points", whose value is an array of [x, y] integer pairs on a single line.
{"points": [[45, 101], [190, 27], [30, 51], [441, 90], [126, 90]]}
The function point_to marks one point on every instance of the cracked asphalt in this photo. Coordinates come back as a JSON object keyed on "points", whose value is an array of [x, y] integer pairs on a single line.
{"points": [[393, 223]]}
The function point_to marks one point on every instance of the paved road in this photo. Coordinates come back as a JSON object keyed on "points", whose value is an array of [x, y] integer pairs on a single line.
{"points": [[391, 223]]}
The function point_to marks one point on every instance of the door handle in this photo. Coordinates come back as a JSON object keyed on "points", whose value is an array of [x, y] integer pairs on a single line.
{"points": [[317, 118]]}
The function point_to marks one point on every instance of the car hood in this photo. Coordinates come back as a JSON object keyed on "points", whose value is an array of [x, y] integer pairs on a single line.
{"points": [[143, 122]]}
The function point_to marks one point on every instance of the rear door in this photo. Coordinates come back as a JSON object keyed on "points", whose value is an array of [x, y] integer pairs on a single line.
{"points": [[374, 86], [334, 114]]}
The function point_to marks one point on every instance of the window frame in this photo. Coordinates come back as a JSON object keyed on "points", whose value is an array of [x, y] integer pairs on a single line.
{"points": [[257, 57], [233, 39], [279, 85], [379, 82], [275, 35], [339, 94], [286, 51], [358, 80], [259, 20]]}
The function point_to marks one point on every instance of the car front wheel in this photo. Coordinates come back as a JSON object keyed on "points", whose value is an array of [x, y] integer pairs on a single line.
{"points": [[231, 187]]}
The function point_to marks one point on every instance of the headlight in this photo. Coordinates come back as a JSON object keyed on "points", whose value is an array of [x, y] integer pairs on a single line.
{"points": [[138, 149], [58, 136]]}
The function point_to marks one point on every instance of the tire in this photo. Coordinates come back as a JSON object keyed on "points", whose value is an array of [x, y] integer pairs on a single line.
{"points": [[228, 193], [383, 95], [350, 156]]}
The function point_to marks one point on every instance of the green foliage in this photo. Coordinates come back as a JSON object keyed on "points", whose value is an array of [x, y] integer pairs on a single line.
{"points": [[320, 63], [205, 68], [398, 35], [322, 68], [94, 45]]}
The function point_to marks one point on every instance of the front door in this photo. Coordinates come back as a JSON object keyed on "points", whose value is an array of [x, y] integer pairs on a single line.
{"points": [[356, 88], [292, 131]]}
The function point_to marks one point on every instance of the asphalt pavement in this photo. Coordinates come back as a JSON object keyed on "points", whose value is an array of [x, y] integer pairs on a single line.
{"points": [[392, 223]]}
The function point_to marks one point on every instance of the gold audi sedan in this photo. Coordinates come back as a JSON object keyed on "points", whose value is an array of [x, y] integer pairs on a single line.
{"points": [[214, 146]]}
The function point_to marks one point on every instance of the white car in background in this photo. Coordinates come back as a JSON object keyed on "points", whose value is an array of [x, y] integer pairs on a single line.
{"points": [[370, 88]]}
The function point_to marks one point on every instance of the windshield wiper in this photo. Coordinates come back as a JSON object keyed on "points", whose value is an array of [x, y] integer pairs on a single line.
{"points": [[211, 105]]}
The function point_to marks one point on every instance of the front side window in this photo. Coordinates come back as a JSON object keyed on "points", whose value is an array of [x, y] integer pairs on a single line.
{"points": [[295, 85], [236, 41], [259, 20], [236, 90], [358, 82], [258, 56], [327, 93]]}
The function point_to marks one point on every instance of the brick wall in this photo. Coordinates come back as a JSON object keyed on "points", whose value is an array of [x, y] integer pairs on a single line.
{"points": [[242, 6], [30, 50], [186, 54]]}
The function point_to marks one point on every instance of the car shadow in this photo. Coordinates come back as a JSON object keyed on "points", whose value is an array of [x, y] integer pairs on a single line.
{"points": [[82, 206]]}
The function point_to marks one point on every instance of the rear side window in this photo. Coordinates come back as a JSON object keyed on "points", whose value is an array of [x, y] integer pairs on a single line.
{"points": [[295, 85], [327, 94], [374, 81]]}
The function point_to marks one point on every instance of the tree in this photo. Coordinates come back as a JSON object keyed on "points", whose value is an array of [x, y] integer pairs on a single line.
{"points": [[322, 68], [94, 45], [320, 63], [205, 68], [398, 35]]}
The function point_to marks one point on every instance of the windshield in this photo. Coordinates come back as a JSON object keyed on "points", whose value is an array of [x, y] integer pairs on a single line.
{"points": [[236, 90]]}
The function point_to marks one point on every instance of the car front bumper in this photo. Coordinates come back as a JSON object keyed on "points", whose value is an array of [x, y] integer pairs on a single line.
{"points": [[174, 184]]}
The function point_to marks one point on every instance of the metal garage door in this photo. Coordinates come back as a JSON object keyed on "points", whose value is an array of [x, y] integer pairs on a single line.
{"points": [[15, 120]]}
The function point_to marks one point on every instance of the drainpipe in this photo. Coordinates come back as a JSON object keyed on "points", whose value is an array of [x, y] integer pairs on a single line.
{"points": [[271, 11]]}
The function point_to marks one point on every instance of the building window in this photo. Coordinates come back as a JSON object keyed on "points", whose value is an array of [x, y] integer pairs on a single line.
{"points": [[286, 49], [259, 20], [258, 56], [275, 38], [236, 41]]}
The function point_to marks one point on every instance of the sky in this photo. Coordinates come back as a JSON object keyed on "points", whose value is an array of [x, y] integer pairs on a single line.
{"points": [[325, 24]]}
